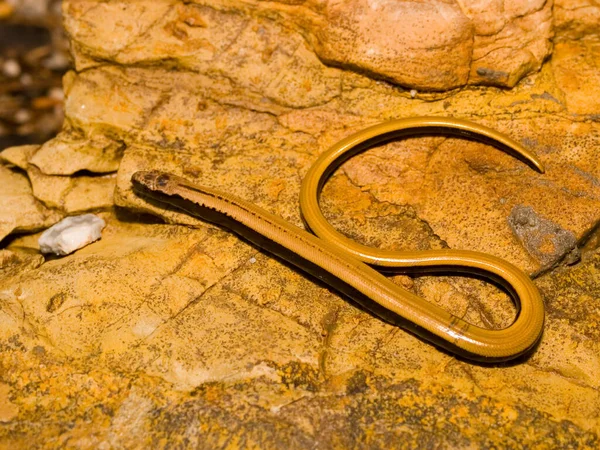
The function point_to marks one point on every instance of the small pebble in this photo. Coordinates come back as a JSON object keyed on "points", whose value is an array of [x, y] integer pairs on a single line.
{"points": [[56, 93], [11, 68], [22, 116], [26, 79], [413, 93], [71, 233], [57, 61]]}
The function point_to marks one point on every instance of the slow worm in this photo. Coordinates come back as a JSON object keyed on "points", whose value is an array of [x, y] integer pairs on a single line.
{"points": [[340, 261]]}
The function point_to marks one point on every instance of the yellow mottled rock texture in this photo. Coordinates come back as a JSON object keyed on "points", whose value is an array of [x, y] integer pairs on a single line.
{"points": [[19, 210], [170, 331], [430, 45], [63, 194], [576, 19]]}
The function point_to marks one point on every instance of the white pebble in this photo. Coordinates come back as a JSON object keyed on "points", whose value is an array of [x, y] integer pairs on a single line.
{"points": [[71, 233], [57, 61], [56, 93], [22, 116], [11, 68], [413, 93]]}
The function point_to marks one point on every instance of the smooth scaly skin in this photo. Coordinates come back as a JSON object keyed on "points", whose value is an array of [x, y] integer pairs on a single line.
{"points": [[341, 257]]}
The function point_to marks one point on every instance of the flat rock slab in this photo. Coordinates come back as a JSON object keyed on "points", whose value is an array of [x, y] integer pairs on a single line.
{"points": [[61, 194], [170, 334], [20, 211]]}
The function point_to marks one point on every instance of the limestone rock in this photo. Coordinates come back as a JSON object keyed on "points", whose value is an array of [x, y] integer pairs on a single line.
{"points": [[464, 191], [511, 39], [184, 334], [434, 45], [19, 210], [168, 321], [72, 194], [578, 76], [19, 156], [68, 153], [68, 194], [576, 19], [241, 120], [13, 262], [398, 41], [8, 410]]}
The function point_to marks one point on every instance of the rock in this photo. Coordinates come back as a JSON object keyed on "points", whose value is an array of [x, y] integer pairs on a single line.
{"points": [[578, 77], [19, 155], [73, 194], [11, 68], [69, 153], [69, 194], [575, 20], [511, 39], [541, 237], [464, 191], [22, 116], [71, 233], [14, 262], [168, 321], [19, 210], [389, 40], [184, 333], [436, 45], [8, 410]]}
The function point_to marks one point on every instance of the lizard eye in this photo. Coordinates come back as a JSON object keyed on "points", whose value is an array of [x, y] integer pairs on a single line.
{"points": [[162, 180]]}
